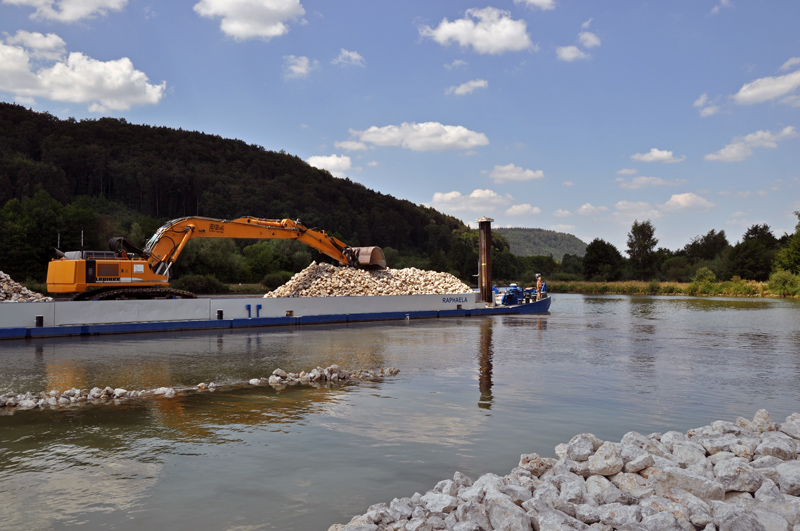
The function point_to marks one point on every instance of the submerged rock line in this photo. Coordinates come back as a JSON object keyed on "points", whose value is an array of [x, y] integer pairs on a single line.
{"points": [[279, 379]]}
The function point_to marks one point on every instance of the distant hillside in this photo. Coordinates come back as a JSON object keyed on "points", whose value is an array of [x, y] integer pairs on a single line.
{"points": [[541, 242], [166, 173]]}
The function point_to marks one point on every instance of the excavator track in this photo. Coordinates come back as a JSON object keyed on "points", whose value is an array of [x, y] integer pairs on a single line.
{"points": [[118, 294]]}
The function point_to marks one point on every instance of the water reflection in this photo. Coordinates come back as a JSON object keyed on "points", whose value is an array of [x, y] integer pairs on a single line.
{"points": [[485, 363], [306, 458]]}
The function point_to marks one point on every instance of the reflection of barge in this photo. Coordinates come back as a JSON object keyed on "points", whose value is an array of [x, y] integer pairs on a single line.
{"points": [[72, 318]]}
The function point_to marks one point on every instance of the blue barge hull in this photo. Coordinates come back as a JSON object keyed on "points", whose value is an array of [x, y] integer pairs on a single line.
{"points": [[67, 318]]}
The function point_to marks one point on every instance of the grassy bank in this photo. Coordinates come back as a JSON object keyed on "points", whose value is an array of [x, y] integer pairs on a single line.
{"points": [[731, 288]]}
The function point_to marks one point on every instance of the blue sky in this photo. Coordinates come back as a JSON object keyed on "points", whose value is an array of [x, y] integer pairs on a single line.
{"points": [[575, 116]]}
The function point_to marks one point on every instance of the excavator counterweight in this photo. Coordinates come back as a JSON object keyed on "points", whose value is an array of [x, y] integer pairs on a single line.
{"points": [[129, 272]]}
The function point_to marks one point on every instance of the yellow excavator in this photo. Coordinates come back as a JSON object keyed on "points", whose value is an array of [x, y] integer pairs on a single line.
{"points": [[127, 272]]}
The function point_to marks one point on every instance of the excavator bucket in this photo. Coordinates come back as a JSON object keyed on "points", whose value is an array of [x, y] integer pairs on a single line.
{"points": [[370, 257]]}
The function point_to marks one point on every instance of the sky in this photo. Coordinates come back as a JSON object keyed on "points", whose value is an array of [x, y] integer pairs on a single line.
{"points": [[574, 116]]}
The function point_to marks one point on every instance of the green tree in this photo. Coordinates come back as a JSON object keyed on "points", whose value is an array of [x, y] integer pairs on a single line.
{"points": [[752, 257], [788, 258], [705, 276], [706, 247], [783, 282], [571, 267], [677, 268], [602, 261], [641, 250]]}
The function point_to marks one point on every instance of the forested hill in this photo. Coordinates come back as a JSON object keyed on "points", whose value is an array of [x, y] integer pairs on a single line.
{"points": [[541, 242], [165, 173]]}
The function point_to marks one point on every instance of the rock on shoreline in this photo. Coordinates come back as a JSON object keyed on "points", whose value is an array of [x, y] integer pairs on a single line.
{"points": [[742, 475]]}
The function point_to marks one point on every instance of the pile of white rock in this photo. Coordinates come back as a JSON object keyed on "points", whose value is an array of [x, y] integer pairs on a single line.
{"points": [[326, 280], [333, 375], [11, 291], [725, 476]]}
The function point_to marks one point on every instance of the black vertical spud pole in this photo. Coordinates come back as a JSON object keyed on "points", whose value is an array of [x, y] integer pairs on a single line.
{"points": [[485, 259]]}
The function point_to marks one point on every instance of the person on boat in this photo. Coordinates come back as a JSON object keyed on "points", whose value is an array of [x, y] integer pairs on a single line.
{"points": [[538, 286]]}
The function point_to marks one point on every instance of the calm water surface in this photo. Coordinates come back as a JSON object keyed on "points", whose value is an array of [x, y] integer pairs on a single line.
{"points": [[472, 395]]}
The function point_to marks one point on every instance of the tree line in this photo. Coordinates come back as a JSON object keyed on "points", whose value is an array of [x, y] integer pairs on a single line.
{"points": [[73, 185], [707, 257]]}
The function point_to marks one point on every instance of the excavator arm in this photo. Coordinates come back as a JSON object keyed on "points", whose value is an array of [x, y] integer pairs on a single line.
{"points": [[169, 241]]}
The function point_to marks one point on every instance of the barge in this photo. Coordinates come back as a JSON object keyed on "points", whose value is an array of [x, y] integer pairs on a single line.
{"points": [[81, 318]]}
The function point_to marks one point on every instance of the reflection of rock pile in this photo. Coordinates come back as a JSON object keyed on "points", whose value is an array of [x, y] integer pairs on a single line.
{"points": [[10, 291], [279, 379], [326, 280], [743, 475]]}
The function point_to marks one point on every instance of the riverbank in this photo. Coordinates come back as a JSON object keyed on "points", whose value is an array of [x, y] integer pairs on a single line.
{"points": [[731, 288], [727, 475]]}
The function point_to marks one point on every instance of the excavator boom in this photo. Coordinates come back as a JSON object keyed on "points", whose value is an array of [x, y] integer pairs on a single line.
{"points": [[126, 267]]}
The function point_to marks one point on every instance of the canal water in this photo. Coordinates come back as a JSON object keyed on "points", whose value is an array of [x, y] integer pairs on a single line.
{"points": [[471, 396]]}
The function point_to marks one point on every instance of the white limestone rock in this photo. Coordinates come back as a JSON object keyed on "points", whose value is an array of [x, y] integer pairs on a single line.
{"points": [[618, 515], [737, 475], [663, 480], [504, 513], [639, 463], [606, 461], [789, 477]]}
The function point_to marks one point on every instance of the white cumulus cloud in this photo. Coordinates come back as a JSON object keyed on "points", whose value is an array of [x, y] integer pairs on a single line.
{"points": [[657, 155], [561, 213], [626, 171], [588, 209], [69, 10], [544, 5], [487, 31], [248, 19], [628, 210], [348, 58], [351, 145], [40, 46], [588, 39], [791, 63], [76, 78], [427, 136], [723, 3], [477, 201], [523, 210], [295, 67], [707, 108], [767, 88], [571, 53], [458, 63], [741, 148], [468, 87], [510, 172], [686, 202], [642, 182], [335, 164]]}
